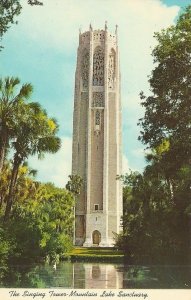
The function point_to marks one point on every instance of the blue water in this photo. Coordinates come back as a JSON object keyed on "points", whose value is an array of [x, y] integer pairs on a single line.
{"points": [[98, 275]]}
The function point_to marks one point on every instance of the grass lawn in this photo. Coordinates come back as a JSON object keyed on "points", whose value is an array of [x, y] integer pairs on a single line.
{"points": [[96, 254]]}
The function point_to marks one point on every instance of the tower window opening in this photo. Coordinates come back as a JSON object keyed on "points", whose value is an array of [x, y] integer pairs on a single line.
{"points": [[96, 206], [98, 67]]}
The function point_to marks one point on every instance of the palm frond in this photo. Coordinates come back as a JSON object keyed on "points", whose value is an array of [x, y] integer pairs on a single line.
{"points": [[33, 172], [50, 144], [26, 90], [25, 164], [56, 124], [36, 107], [8, 85]]}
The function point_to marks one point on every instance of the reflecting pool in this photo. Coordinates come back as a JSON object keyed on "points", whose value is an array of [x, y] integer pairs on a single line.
{"points": [[98, 276]]}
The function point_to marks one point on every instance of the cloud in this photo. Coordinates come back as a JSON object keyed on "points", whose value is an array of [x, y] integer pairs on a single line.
{"points": [[51, 33], [125, 164], [58, 21], [55, 167], [138, 152], [56, 24]]}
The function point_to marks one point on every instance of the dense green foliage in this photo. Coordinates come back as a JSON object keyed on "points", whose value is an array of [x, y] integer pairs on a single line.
{"points": [[156, 225], [74, 184], [168, 110], [36, 220], [41, 223], [95, 254], [44, 224], [157, 203]]}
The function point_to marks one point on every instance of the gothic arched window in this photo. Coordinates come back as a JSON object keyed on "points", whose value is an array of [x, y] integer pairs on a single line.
{"points": [[98, 67], [111, 69], [85, 69]]}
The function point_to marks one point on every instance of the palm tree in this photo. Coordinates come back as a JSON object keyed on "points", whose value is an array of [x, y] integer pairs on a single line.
{"points": [[35, 134], [11, 102], [74, 186], [26, 184]]}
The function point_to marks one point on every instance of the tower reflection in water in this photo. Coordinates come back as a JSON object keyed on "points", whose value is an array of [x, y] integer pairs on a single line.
{"points": [[96, 276]]}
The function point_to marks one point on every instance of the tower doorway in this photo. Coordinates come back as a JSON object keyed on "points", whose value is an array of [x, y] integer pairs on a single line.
{"points": [[96, 236]]}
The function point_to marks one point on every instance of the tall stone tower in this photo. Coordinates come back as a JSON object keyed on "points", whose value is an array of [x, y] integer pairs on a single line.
{"points": [[97, 154]]}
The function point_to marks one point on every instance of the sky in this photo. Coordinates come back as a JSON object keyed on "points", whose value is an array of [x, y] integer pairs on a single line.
{"points": [[42, 50]]}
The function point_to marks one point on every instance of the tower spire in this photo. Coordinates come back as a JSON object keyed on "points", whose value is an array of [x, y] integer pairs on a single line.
{"points": [[116, 29], [105, 25]]}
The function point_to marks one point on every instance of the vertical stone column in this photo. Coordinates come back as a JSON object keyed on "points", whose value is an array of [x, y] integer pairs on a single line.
{"points": [[118, 137], [106, 133], [88, 240], [76, 120]]}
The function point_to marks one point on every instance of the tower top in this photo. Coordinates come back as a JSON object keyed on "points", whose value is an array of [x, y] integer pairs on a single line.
{"points": [[98, 35]]}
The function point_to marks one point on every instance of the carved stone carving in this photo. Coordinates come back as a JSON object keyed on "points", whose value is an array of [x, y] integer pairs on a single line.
{"points": [[85, 37], [84, 96], [97, 117], [99, 35], [111, 70], [98, 67], [98, 100], [97, 124], [85, 69]]}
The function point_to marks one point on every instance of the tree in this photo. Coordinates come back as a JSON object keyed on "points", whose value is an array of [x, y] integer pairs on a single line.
{"points": [[168, 110], [157, 202], [4, 182], [155, 226], [42, 225], [11, 102], [9, 10], [35, 2], [74, 184], [35, 134], [167, 123], [24, 187]]}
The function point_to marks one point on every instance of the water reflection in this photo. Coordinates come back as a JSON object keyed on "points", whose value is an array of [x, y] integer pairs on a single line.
{"points": [[97, 276]]}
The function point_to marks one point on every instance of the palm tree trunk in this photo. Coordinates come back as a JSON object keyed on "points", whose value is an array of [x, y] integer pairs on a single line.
{"points": [[171, 188], [1, 201], [2, 157], [10, 197], [3, 146]]}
